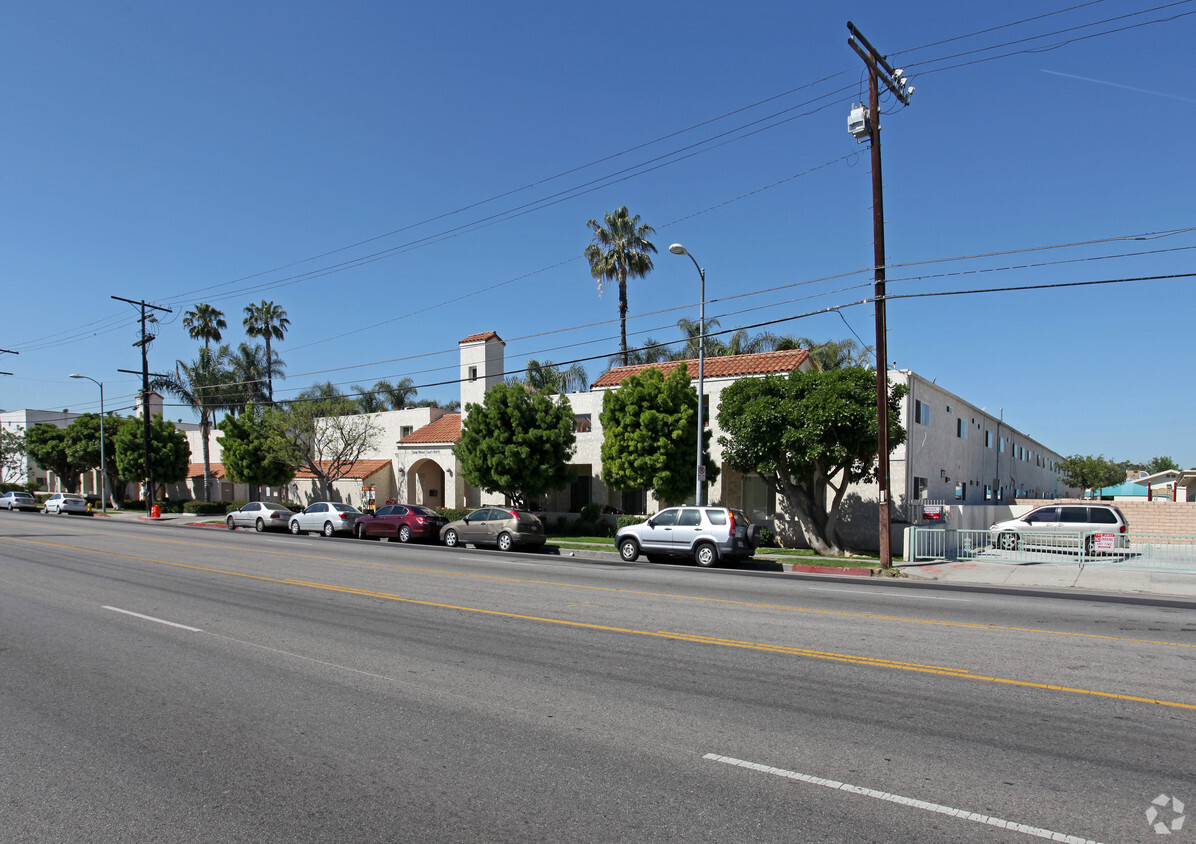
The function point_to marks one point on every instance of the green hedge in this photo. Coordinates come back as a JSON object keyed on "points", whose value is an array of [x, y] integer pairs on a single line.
{"points": [[626, 521], [205, 508]]}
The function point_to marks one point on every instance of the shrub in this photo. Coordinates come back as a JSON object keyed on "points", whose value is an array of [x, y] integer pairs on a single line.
{"points": [[229, 506], [204, 508], [624, 521], [590, 513], [768, 539], [454, 513]]}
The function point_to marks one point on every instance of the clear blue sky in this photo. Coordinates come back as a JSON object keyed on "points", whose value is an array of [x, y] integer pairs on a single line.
{"points": [[421, 172]]}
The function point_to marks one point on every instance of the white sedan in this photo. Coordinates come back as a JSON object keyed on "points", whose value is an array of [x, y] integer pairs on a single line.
{"points": [[327, 517], [259, 515], [66, 502]]}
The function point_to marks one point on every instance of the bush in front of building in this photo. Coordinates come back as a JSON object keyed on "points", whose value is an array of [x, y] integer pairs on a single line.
{"points": [[205, 508]]}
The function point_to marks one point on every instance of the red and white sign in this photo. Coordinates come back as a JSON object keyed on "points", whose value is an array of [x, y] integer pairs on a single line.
{"points": [[932, 512], [1104, 541]]}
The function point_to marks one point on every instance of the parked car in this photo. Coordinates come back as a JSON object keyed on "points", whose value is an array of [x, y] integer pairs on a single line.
{"points": [[707, 535], [404, 522], [66, 502], [1061, 526], [327, 517], [18, 501], [260, 515], [495, 526]]}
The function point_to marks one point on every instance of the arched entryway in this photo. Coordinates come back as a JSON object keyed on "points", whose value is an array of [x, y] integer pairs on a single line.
{"points": [[425, 484]]}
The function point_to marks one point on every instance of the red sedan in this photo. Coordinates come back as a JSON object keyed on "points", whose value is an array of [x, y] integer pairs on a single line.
{"points": [[404, 522]]}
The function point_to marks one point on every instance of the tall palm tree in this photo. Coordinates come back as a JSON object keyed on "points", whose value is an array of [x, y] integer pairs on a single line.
{"points": [[368, 400], [619, 252], [548, 378], [831, 354], [266, 320], [205, 323], [204, 386], [399, 394]]}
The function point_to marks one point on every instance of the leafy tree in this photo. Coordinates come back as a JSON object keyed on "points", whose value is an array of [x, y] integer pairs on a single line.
{"points": [[251, 452], [49, 446], [620, 251], [807, 434], [83, 446], [170, 456], [13, 456], [1086, 472], [653, 351], [453, 405], [399, 394], [204, 386], [204, 323], [517, 442], [650, 433], [1161, 464], [322, 433], [368, 401], [267, 320]]}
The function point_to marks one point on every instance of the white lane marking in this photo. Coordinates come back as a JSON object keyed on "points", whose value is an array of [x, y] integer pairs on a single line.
{"points": [[962, 814], [911, 595], [155, 620]]}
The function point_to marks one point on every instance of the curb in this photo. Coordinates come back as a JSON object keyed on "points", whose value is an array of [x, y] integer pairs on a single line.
{"points": [[805, 569]]}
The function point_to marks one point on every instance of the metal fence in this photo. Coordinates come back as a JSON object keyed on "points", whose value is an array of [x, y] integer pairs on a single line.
{"points": [[1155, 551]]}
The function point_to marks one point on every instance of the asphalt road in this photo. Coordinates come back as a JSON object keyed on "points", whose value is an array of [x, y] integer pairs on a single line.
{"points": [[176, 685]]}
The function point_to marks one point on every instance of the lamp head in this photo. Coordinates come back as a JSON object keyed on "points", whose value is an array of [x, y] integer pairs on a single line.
{"points": [[678, 249]]}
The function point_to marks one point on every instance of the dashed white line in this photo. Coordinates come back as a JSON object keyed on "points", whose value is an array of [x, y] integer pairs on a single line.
{"points": [[962, 814], [155, 620]]}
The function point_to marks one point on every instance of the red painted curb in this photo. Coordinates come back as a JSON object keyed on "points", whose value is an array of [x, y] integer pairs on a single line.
{"points": [[831, 570]]}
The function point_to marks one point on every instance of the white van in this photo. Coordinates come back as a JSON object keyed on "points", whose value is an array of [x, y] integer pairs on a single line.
{"points": [[1061, 526]]}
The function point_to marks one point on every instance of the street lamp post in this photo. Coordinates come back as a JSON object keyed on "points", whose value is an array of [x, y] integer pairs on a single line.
{"points": [[678, 249], [103, 464]]}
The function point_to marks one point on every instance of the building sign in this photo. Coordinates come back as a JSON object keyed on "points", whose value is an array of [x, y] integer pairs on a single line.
{"points": [[1103, 541], [932, 512]]}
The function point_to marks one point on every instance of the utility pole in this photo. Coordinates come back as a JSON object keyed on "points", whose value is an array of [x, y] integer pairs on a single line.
{"points": [[869, 127], [145, 414]]}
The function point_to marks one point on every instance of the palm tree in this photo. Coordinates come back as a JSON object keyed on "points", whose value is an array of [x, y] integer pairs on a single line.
{"points": [[204, 386], [250, 375], [831, 354], [204, 323], [691, 332], [619, 252], [267, 320], [546, 377], [368, 401], [399, 394]]}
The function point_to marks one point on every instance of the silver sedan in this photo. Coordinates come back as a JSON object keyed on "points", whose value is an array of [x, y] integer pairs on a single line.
{"points": [[327, 517], [259, 515]]}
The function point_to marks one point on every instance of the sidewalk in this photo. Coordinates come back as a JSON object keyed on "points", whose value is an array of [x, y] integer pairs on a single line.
{"points": [[1105, 578]]}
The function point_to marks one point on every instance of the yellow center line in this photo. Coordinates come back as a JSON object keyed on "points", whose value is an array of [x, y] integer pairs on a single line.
{"points": [[853, 659]]}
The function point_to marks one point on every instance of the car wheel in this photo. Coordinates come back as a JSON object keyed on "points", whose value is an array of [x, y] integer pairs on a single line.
{"points": [[505, 542], [259, 526], [231, 524], [294, 528], [753, 535], [705, 555], [629, 549], [1008, 542], [1089, 546], [329, 530], [361, 534], [450, 538], [404, 534]]}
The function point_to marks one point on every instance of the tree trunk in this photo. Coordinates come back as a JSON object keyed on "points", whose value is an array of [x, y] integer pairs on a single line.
{"points": [[813, 521], [205, 429], [623, 315]]}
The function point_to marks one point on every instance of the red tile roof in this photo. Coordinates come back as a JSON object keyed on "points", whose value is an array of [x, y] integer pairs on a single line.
{"points": [[195, 470], [485, 335], [359, 471], [722, 366], [446, 429]]}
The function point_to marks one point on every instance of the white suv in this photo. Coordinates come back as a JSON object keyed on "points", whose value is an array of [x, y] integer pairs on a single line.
{"points": [[707, 535]]}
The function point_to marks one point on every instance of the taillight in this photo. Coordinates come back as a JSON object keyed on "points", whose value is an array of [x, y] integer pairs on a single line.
{"points": [[514, 515], [344, 516], [276, 515], [732, 517], [1123, 528]]}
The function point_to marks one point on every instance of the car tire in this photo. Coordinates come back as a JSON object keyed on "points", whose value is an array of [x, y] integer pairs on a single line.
{"points": [[1008, 542], [1090, 546], [706, 555], [293, 527], [404, 533], [360, 532], [259, 526], [753, 535], [505, 542], [629, 549], [450, 538], [329, 530], [231, 524]]}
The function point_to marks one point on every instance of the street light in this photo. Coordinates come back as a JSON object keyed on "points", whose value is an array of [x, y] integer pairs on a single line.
{"points": [[103, 465], [678, 249]]}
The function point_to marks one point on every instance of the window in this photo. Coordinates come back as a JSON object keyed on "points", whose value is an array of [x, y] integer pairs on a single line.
{"points": [[921, 413], [988, 493], [948, 408], [961, 429], [666, 517], [582, 423], [921, 487], [961, 491], [1043, 515], [988, 439], [406, 431], [473, 373], [579, 490], [717, 517], [1002, 444], [690, 518]]}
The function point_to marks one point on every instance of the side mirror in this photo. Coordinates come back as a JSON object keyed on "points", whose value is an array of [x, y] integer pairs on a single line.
{"points": [[652, 523]]}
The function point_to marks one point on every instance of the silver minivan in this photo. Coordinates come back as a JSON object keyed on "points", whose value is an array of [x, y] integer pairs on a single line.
{"points": [[1066, 526]]}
